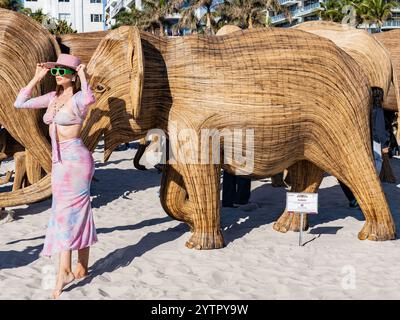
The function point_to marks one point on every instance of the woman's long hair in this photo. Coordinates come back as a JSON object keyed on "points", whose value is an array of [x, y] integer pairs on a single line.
{"points": [[76, 85]]}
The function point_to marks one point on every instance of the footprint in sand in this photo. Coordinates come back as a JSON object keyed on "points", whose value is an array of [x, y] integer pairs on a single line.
{"points": [[103, 293]]}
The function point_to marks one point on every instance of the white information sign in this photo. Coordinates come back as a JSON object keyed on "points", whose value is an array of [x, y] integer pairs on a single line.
{"points": [[302, 202]]}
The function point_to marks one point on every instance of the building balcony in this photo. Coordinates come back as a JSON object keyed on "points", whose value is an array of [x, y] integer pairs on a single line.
{"points": [[117, 8], [287, 2], [306, 10], [396, 9], [278, 18], [129, 2], [392, 24]]}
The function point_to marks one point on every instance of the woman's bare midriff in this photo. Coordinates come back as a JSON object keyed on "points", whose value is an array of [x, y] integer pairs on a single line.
{"points": [[67, 132]]}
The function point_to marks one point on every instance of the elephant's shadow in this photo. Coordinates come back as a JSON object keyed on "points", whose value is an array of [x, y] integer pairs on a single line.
{"points": [[333, 206], [128, 181]]}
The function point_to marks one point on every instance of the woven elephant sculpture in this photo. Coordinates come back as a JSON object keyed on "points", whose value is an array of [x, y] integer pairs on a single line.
{"points": [[377, 55], [390, 40], [23, 43], [377, 64], [301, 97]]}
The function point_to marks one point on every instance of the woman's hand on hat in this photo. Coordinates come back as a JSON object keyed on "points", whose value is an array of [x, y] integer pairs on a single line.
{"points": [[80, 70], [41, 71]]}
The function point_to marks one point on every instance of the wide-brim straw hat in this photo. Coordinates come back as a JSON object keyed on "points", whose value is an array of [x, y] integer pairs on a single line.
{"points": [[66, 60]]}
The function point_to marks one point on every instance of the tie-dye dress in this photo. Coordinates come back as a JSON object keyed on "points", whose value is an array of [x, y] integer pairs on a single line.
{"points": [[71, 225]]}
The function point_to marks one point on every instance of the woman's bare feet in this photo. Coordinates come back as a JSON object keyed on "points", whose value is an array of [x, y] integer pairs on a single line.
{"points": [[80, 272], [62, 281]]}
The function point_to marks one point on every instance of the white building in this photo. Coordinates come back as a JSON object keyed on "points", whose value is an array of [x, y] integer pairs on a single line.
{"points": [[305, 10], [84, 15], [112, 7]]}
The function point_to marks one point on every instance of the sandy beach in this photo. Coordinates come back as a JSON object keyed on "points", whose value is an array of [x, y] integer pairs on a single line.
{"points": [[141, 252]]}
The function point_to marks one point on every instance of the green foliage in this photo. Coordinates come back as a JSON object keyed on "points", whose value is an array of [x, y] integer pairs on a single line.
{"points": [[55, 26], [365, 11], [14, 5]]}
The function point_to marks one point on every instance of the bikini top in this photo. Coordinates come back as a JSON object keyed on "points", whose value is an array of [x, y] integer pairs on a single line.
{"points": [[62, 117]]}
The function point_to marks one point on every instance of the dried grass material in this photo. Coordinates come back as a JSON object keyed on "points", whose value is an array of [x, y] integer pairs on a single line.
{"points": [[373, 57], [304, 97], [227, 29], [82, 44], [23, 43], [390, 41]]}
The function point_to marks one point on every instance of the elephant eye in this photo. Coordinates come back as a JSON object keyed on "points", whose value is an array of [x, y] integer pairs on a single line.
{"points": [[100, 88]]}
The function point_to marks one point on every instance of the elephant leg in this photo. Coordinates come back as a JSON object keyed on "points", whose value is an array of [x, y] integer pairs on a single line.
{"points": [[7, 178], [387, 174], [33, 168], [20, 170], [203, 186], [278, 181], [305, 177], [360, 175], [173, 195]]}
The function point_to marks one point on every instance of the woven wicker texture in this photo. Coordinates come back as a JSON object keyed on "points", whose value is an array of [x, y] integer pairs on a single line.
{"points": [[227, 29], [304, 97], [374, 59], [82, 44], [23, 43], [390, 40]]}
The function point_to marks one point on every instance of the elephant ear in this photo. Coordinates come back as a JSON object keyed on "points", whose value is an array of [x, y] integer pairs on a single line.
{"points": [[136, 67]]}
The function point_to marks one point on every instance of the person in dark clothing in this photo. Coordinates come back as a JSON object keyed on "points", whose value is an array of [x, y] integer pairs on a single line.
{"points": [[380, 140], [390, 120], [235, 190]]}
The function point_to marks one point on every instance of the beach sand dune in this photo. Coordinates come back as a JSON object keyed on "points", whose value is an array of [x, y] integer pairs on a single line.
{"points": [[141, 252]]}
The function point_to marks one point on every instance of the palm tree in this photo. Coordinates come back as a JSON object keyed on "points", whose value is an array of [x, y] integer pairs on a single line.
{"points": [[376, 11], [61, 27], [133, 17], [38, 15], [246, 13], [156, 12], [190, 18], [191, 21], [332, 11], [14, 5]]}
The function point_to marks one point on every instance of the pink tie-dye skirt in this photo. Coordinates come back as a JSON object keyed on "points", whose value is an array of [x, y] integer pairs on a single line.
{"points": [[71, 225]]}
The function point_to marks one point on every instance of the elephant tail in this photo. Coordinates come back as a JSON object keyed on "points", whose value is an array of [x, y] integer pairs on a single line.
{"points": [[38, 191]]}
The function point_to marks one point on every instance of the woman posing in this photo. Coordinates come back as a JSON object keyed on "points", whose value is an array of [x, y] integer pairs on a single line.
{"points": [[71, 225]]}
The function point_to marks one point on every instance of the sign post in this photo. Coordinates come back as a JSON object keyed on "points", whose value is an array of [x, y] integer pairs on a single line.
{"points": [[302, 203]]}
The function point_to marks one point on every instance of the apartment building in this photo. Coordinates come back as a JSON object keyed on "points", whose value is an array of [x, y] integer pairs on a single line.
{"points": [[83, 15], [305, 10]]}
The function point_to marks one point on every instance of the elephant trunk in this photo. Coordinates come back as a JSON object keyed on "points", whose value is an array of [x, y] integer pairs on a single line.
{"points": [[33, 193], [139, 153]]}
